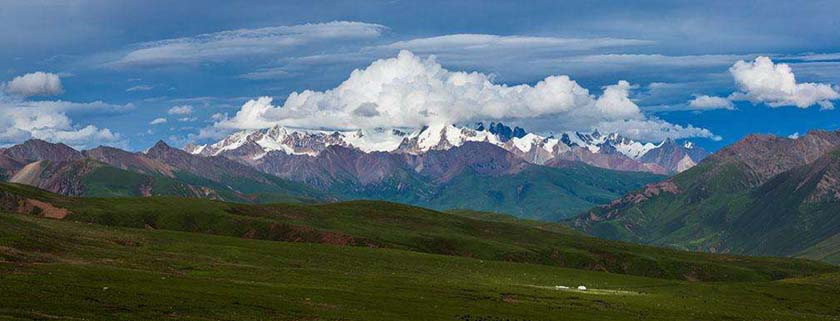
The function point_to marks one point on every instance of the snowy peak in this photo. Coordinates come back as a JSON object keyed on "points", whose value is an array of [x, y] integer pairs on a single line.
{"points": [[443, 137], [595, 148], [300, 142]]}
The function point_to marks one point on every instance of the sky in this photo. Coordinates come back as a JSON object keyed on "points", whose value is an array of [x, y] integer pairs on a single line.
{"points": [[129, 73]]}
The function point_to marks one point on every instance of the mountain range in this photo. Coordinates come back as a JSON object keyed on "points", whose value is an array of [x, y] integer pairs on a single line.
{"points": [[162, 170], [491, 168], [764, 195], [440, 172]]}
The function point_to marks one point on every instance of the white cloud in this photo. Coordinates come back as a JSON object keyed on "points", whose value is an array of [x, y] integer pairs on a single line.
{"points": [[706, 102], [654, 130], [226, 45], [50, 120], [35, 84], [140, 88], [407, 91], [180, 110], [616, 101], [157, 121], [762, 81]]}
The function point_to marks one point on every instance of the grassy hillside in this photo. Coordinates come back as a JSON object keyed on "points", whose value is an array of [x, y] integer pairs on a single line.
{"points": [[497, 217], [793, 213], [108, 181], [390, 225], [58, 269], [538, 192]]}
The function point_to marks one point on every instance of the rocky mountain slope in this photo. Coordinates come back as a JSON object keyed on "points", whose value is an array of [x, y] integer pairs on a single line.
{"points": [[162, 170], [763, 195]]}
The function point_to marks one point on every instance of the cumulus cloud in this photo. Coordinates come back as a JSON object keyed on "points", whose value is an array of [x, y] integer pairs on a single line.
{"points": [[20, 120], [706, 102], [35, 84], [616, 101], [409, 91], [654, 130], [157, 121], [180, 110], [762, 81], [226, 45]]}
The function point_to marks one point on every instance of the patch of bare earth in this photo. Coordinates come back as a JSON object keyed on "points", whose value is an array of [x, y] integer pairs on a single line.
{"points": [[46, 209]]}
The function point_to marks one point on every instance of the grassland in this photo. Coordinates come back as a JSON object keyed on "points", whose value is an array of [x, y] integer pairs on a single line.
{"points": [[163, 258], [63, 270], [396, 226]]}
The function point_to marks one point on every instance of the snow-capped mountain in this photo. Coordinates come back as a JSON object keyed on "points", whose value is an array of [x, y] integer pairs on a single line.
{"points": [[300, 142], [608, 151]]}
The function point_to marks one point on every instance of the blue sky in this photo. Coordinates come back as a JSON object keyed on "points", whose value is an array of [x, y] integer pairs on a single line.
{"points": [[120, 66]]}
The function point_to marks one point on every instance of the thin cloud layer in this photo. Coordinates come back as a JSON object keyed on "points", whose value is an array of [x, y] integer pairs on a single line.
{"points": [[408, 91], [522, 58], [35, 84], [232, 44], [496, 44], [762, 81]]}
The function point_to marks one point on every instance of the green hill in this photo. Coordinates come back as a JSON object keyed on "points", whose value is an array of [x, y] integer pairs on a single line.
{"points": [[538, 192], [743, 200], [65, 270]]}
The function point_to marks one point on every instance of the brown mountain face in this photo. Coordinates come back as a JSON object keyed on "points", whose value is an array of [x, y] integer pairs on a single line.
{"points": [[615, 161], [334, 165], [36, 149], [61, 177], [337, 164], [483, 159], [670, 156], [765, 156], [212, 168], [53, 156], [135, 162]]}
